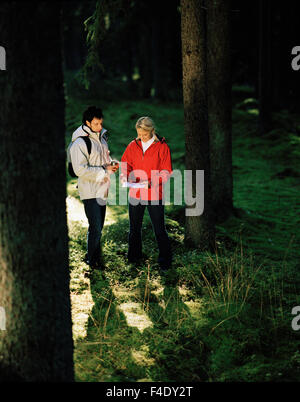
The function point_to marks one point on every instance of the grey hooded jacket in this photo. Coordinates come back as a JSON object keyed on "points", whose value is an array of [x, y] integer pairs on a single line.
{"points": [[93, 181]]}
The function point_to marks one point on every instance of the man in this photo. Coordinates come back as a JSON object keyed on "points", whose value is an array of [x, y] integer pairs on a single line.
{"points": [[93, 170]]}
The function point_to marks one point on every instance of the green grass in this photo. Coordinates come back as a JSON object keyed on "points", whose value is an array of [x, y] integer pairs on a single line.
{"points": [[224, 316]]}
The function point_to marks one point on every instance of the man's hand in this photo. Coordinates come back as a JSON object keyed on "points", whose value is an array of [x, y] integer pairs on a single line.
{"points": [[116, 167], [112, 169]]}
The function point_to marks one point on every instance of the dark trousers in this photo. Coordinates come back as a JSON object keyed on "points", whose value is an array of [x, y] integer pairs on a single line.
{"points": [[95, 214], [157, 216]]}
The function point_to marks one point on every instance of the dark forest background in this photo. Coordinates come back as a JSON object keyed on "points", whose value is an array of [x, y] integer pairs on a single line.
{"points": [[141, 47]]}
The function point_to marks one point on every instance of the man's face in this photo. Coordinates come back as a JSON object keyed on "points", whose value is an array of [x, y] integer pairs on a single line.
{"points": [[95, 124]]}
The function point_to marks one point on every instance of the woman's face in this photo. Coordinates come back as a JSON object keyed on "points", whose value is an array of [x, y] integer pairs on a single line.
{"points": [[144, 135]]}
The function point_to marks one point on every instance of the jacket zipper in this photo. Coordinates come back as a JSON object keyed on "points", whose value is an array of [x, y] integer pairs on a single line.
{"points": [[142, 148]]}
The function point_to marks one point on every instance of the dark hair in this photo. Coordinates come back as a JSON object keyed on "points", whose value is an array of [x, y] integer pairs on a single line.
{"points": [[90, 113]]}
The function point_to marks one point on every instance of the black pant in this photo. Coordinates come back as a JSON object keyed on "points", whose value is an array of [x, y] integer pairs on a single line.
{"points": [[95, 214], [156, 213]]}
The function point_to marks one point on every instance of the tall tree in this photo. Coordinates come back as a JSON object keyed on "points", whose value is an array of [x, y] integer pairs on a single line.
{"points": [[74, 37], [244, 25], [285, 30], [145, 48], [219, 105], [158, 21], [34, 277], [199, 229], [265, 66]]}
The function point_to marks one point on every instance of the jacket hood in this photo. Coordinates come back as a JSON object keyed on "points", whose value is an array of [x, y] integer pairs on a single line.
{"points": [[84, 130]]}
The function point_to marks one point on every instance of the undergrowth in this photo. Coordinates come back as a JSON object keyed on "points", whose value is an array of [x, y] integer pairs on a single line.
{"points": [[223, 316]]}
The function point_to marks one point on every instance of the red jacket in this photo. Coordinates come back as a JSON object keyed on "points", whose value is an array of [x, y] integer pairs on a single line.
{"points": [[154, 165]]}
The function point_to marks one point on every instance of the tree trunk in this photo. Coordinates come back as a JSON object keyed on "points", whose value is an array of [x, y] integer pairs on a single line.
{"points": [[287, 80], [34, 275], [158, 49], [199, 229], [144, 39], [219, 105], [173, 49], [265, 66]]}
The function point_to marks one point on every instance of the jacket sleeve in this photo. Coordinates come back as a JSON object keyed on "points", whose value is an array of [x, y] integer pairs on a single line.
{"points": [[165, 167], [80, 163], [126, 157], [109, 158]]}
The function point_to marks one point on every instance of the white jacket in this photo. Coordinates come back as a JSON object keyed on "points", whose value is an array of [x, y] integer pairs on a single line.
{"points": [[93, 181]]}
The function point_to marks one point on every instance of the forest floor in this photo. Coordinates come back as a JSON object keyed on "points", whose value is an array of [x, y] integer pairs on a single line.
{"points": [[227, 315]]}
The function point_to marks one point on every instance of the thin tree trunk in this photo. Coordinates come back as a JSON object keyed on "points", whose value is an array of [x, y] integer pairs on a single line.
{"points": [[173, 46], [159, 18], [34, 275], [219, 105], [199, 229], [265, 66], [145, 61], [288, 80], [144, 40]]}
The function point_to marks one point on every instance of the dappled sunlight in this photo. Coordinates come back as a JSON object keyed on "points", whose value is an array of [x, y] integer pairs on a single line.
{"points": [[149, 326], [75, 212], [81, 299], [141, 357], [123, 292], [109, 216], [195, 308], [135, 316], [82, 305], [158, 292], [157, 288]]}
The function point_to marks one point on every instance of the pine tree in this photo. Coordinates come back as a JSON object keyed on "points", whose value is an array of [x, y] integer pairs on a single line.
{"points": [[199, 229], [219, 105], [34, 277]]}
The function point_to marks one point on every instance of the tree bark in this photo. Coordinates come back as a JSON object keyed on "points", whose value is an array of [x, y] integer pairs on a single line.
{"points": [[34, 275], [219, 105], [144, 32], [199, 230], [265, 66], [286, 86], [159, 17]]}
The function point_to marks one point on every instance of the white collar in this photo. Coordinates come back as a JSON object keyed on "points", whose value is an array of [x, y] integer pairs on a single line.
{"points": [[149, 142], [89, 131]]}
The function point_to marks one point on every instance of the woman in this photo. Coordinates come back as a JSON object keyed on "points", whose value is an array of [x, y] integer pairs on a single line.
{"points": [[147, 161]]}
